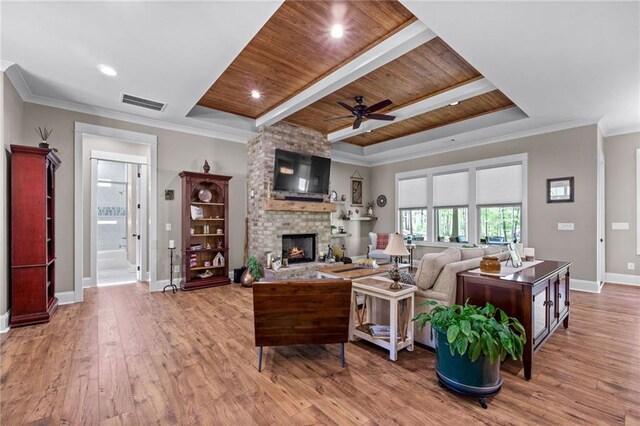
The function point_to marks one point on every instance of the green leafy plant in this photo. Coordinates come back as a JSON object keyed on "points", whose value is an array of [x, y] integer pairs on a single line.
{"points": [[254, 267], [472, 330]]}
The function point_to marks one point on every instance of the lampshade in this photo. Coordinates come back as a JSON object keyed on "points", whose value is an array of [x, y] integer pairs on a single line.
{"points": [[396, 246]]}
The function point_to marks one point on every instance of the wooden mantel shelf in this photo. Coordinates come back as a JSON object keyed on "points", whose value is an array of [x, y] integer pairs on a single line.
{"points": [[304, 206]]}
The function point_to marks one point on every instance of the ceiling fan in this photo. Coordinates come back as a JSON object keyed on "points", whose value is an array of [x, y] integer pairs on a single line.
{"points": [[361, 111]]}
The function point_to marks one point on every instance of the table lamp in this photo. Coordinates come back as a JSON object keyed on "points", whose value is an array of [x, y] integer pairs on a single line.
{"points": [[395, 248]]}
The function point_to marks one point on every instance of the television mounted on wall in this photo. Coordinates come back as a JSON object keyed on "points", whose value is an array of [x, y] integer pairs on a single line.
{"points": [[301, 173]]}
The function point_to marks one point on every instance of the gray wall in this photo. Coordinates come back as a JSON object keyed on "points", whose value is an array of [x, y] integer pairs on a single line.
{"points": [[621, 201], [341, 183], [564, 153], [176, 151], [11, 133]]}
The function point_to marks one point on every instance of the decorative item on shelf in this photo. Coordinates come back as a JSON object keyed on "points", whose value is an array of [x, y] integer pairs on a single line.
{"points": [[529, 254], [205, 167], [193, 260], [218, 260], [219, 244], [205, 274], [334, 229], [44, 134], [252, 274], [285, 262], [340, 229], [465, 364], [196, 212], [276, 264], [343, 197], [356, 189], [381, 200], [490, 265], [205, 229], [333, 196], [209, 246], [219, 231], [205, 195], [207, 263], [269, 257], [395, 248], [192, 231], [322, 256], [370, 208]]}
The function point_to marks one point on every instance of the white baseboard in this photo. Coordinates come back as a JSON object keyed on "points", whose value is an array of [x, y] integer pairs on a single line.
{"points": [[584, 285], [4, 321], [626, 279], [86, 282], [66, 297], [159, 285]]}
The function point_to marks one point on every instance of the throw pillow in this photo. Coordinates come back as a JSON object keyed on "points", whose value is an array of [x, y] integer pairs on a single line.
{"points": [[432, 264], [471, 253], [407, 278], [382, 241]]}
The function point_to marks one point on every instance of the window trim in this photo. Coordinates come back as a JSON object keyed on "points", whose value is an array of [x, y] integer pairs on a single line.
{"points": [[435, 225], [399, 224], [473, 212]]}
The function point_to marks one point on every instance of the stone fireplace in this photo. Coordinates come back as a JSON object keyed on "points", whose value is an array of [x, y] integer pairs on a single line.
{"points": [[299, 248], [266, 226]]}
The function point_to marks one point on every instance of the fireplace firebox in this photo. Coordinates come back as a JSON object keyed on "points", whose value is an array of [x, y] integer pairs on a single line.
{"points": [[299, 248]]}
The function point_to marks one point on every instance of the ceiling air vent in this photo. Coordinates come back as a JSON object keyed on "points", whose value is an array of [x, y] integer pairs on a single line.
{"points": [[141, 102]]}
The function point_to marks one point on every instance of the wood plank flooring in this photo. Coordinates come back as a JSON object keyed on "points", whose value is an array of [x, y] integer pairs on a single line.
{"points": [[126, 357]]}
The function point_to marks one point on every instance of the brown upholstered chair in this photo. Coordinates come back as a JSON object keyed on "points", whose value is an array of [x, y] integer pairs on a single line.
{"points": [[301, 313]]}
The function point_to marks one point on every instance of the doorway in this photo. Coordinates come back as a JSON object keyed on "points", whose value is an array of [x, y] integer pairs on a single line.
{"points": [[118, 232]]}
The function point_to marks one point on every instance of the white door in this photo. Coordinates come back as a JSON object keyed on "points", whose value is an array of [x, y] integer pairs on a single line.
{"points": [[142, 224]]}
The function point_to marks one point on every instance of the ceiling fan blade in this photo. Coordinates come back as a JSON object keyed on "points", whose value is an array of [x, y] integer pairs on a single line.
{"points": [[338, 118], [357, 123], [381, 117], [380, 105], [349, 107]]}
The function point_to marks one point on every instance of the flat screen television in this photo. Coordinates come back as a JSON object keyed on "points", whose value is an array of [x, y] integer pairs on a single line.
{"points": [[295, 172]]}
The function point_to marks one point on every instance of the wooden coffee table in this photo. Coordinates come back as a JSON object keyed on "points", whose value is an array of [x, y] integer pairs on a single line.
{"points": [[350, 271]]}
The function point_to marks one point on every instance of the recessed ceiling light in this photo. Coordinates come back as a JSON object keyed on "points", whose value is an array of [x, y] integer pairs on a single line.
{"points": [[255, 94], [337, 31], [454, 103], [107, 70]]}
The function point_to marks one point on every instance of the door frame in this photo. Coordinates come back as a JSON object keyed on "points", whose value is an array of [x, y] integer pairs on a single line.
{"points": [[81, 129], [117, 158]]}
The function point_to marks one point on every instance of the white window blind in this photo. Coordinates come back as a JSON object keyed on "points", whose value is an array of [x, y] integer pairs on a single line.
{"points": [[412, 193], [451, 189], [499, 185]]}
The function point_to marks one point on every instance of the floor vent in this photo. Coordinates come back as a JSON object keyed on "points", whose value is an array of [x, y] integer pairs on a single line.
{"points": [[141, 102]]}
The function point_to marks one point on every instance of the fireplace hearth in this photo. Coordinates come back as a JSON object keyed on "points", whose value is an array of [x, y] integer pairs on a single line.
{"points": [[299, 248]]}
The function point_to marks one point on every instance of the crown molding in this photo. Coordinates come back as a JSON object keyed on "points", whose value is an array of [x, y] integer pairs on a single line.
{"points": [[228, 133], [622, 131]]}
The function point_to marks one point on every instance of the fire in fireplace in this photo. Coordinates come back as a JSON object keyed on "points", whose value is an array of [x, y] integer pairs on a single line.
{"points": [[299, 248]]}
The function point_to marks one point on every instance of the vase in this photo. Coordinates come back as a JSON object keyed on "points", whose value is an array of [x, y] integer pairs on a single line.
{"points": [[247, 280], [370, 211], [490, 264]]}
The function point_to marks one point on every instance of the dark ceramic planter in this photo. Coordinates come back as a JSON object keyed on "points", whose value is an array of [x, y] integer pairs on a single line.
{"points": [[458, 373]]}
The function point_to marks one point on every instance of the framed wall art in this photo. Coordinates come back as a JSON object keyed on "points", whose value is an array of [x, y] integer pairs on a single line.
{"points": [[560, 190]]}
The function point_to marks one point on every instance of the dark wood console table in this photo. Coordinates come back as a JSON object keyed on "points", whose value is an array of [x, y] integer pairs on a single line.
{"points": [[538, 296]]}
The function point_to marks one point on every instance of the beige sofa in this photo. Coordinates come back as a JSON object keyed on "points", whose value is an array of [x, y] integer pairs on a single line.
{"points": [[436, 278]]}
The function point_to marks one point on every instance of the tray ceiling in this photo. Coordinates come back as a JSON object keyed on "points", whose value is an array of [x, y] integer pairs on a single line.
{"points": [[294, 49]]}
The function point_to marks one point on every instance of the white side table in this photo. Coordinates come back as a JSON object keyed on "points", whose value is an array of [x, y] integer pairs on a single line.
{"points": [[401, 311]]}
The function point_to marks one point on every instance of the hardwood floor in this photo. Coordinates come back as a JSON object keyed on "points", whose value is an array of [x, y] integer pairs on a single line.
{"points": [[125, 356]]}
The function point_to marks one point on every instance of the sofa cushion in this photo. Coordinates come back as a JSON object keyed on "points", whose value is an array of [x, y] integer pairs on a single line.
{"points": [[488, 251], [470, 253], [382, 240], [432, 264]]}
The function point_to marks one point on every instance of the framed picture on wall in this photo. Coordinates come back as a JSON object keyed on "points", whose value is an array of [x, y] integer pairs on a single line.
{"points": [[560, 190], [356, 190]]}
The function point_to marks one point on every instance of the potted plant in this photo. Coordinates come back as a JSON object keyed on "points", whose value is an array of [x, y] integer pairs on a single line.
{"points": [[334, 229], [470, 344], [252, 274]]}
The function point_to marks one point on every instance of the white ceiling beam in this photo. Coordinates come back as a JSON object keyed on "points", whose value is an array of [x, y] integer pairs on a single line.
{"points": [[458, 94], [405, 40]]}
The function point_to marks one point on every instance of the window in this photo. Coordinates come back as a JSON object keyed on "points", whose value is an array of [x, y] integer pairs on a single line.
{"points": [[412, 204], [500, 224], [413, 223], [479, 202], [451, 224]]}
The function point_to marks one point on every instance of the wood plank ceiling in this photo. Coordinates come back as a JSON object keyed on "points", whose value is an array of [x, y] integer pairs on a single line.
{"points": [[294, 50]]}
